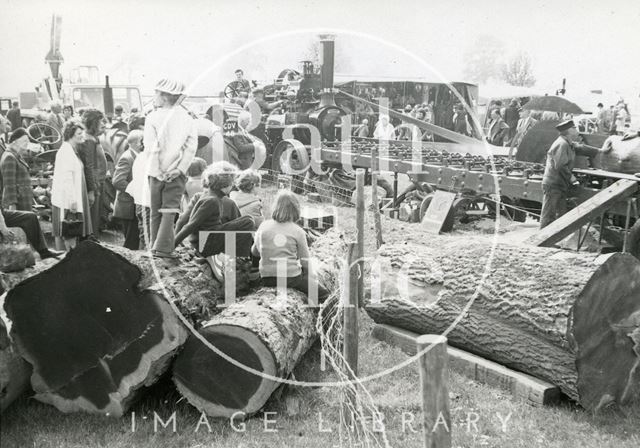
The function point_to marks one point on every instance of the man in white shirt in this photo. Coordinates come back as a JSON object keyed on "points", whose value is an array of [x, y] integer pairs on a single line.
{"points": [[171, 140], [384, 130]]}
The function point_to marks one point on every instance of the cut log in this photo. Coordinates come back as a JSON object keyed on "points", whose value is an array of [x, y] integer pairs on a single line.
{"points": [[97, 326], [623, 157], [263, 333], [263, 337], [555, 315], [14, 371]]}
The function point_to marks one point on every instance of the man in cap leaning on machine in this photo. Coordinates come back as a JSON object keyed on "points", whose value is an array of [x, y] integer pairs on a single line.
{"points": [[558, 179], [171, 140]]}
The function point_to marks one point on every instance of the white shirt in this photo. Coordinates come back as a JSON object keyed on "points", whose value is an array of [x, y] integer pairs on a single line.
{"points": [[68, 179], [138, 188], [387, 132], [171, 139]]}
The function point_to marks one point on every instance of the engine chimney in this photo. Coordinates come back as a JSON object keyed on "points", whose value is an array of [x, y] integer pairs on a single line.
{"points": [[327, 94]]}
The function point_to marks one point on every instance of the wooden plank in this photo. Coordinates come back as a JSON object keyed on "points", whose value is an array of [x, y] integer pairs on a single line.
{"points": [[583, 213], [521, 385], [608, 174], [434, 382], [438, 211]]}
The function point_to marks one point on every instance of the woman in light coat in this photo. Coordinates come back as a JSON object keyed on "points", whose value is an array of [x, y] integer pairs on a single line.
{"points": [[69, 198]]}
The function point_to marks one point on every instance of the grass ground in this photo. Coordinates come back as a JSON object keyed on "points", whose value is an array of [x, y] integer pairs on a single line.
{"points": [[481, 416]]}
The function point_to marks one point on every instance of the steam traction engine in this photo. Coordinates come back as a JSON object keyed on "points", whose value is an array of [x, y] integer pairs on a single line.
{"points": [[483, 182]]}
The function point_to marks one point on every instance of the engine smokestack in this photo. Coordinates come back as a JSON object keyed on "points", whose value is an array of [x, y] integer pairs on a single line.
{"points": [[326, 73]]}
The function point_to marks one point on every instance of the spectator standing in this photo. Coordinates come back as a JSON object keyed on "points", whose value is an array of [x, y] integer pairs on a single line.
{"points": [[69, 196], [602, 119], [384, 130], [363, 129], [138, 189], [67, 112], [525, 123], [92, 153], [511, 117], [497, 129], [170, 138], [15, 116], [56, 120], [124, 207], [460, 122], [15, 179]]}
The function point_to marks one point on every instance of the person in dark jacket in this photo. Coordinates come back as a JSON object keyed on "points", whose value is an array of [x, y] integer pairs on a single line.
{"points": [[212, 210], [92, 154], [28, 222], [558, 179], [15, 116], [124, 208], [460, 122], [511, 117], [497, 129], [15, 179]]}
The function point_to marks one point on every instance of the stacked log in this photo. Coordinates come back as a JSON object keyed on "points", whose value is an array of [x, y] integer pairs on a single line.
{"points": [[99, 326], [555, 315], [258, 341], [263, 337], [96, 326]]}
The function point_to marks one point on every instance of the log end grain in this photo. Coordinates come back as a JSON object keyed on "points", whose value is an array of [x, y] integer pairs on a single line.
{"points": [[93, 338]]}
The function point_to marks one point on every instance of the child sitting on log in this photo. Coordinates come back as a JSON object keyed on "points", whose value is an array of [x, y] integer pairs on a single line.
{"points": [[245, 196], [283, 250], [212, 210], [194, 182]]}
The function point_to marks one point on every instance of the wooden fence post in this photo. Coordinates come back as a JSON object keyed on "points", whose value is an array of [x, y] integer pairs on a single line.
{"points": [[360, 233], [435, 391], [350, 323]]}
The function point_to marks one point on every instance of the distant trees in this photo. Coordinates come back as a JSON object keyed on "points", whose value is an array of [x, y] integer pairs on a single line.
{"points": [[487, 59], [482, 59], [517, 71]]}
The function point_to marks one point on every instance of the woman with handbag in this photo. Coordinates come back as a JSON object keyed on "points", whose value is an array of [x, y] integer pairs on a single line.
{"points": [[71, 212]]}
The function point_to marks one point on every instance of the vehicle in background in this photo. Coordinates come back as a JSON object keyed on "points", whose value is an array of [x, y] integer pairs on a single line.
{"points": [[82, 90]]}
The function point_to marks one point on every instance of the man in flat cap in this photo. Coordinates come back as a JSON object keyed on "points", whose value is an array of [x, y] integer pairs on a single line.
{"points": [[257, 96], [558, 178]]}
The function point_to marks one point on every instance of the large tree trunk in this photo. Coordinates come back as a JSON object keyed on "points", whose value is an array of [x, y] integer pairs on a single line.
{"points": [[262, 337], [14, 371], [552, 314], [623, 157], [97, 326]]}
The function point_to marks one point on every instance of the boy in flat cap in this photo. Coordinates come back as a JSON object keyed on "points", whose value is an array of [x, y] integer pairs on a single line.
{"points": [[558, 179]]}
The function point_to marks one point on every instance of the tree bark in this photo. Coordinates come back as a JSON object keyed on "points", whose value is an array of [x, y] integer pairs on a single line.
{"points": [[262, 333], [97, 326], [14, 371], [263, 337], [552, 314]]}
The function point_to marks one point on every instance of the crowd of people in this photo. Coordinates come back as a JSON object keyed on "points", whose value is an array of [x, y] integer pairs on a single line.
{"points": [[165, 194]]}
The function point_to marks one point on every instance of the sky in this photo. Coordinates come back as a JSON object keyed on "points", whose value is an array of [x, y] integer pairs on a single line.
{"points": [[591, 43]]}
